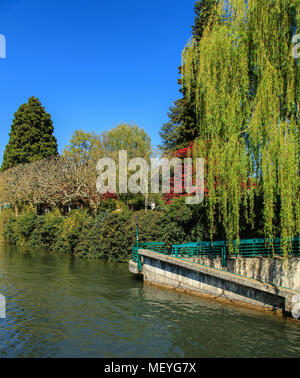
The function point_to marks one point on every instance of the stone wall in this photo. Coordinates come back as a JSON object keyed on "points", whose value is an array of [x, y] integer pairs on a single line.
{"points": [[245, 281], [285, 273]]}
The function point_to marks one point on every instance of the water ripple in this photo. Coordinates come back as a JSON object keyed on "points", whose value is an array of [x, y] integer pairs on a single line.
{"points": [[58, 306]]}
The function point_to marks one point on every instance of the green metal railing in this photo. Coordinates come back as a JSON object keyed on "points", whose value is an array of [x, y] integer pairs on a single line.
{"points": [[155, 247], [245, 248], [249, 248], [201, 249]]}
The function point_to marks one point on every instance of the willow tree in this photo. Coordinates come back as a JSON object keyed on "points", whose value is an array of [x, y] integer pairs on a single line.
{"points": [[246, 82], [136, 141]]}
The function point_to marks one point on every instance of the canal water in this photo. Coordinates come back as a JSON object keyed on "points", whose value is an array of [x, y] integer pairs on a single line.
{"points": [[59, 306]]}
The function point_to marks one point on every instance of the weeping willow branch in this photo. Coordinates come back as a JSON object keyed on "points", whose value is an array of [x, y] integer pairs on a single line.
{"points": [[246, 85]]}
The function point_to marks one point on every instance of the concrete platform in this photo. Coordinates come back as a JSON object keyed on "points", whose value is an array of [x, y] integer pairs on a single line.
{"points": [[190, 277]]}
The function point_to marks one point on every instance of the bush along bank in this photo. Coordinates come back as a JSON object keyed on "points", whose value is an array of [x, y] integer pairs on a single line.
{"points": [[109, 235], [5, 216]]}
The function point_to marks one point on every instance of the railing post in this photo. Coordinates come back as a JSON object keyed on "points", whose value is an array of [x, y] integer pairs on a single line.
{"points": [[139, 262], [224, 257], [137, 232]]}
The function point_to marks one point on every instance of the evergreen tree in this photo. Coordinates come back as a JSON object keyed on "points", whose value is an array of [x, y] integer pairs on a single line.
{"points": [[182, 127], [170, 130], [205, 10], [31, 136]]}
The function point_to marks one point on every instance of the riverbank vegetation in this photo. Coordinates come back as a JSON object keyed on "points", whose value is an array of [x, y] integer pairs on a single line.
{"points": [[109, 235], [239, 111], [240, 107]]}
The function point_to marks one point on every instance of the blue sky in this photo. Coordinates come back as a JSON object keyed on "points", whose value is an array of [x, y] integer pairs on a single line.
{"points": [[93, 63]]}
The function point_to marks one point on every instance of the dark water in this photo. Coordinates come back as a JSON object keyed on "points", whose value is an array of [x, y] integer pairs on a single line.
{"points": [[63, 307]]}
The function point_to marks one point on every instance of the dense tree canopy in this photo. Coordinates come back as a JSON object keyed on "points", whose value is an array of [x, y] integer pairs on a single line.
{"points": [[84, 147], [137, 143], [56, 182], [127, 137], [245, 84], [31, 137]]}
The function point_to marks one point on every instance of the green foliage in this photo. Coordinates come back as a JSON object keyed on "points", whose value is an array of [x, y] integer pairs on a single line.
{"points": [[84, 146], [181, 128], [205, 10], [70, 231], [46, 229], [116, 236], [151, 227], [240, 105], [19, 229], [109, 235], [25, 226], [107, 205], [89, 246], [5, 216], [245, 85], [182, 223], [31, 136], [137, 143], [10, 232], [127, 137]]}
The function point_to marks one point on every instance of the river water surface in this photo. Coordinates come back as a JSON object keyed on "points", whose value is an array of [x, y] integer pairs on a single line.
{"points": [[59, 306]]}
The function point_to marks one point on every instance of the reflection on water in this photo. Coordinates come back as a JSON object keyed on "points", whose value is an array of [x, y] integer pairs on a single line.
{"points": [[58, 306]]}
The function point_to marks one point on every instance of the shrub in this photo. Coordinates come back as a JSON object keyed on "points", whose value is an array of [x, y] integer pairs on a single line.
{"points": [[89, 245], [18, 230], [25, 226], [109, 235], [5, 216], [116, 236], [70, 231], [10, 231], [47, 230]]}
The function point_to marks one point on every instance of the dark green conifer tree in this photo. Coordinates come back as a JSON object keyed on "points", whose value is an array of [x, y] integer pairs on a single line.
{"points": [[182, 127], [31, 137]]}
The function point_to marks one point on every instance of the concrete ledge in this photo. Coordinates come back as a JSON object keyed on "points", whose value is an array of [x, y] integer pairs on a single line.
{"points": [[133, 268], [192, 277]]}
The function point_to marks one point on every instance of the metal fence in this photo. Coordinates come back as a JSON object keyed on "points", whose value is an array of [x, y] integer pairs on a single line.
{"points": [[249, 248], [155, 247]]}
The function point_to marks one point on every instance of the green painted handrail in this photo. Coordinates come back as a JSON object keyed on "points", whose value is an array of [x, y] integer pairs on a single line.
{"points": [[248, 248]]}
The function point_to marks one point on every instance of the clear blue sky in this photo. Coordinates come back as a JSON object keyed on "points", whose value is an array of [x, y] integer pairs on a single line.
{"points": [[93, 63]]}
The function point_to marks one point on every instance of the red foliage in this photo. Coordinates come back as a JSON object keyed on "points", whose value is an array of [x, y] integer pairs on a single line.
{"points": [[175, 185], [184, 153]]}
